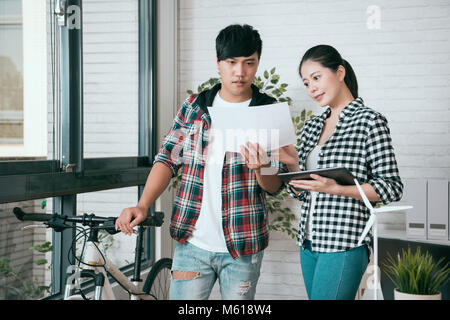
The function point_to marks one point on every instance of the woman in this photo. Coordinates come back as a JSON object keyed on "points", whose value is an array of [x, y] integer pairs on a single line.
{"points": [[347, 134]]}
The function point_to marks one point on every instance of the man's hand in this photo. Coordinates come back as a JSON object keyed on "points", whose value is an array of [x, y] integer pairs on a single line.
{"points": [[254, 156], [129, 218]]}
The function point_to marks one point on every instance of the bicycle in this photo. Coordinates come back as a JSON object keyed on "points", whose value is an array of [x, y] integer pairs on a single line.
{"points": [[98, 266]]}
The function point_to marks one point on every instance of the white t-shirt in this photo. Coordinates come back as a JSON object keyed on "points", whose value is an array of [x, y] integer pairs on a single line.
{"points": [[208, 231]]}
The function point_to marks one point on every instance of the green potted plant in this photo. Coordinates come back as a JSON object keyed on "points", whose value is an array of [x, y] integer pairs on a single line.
{"points": [[417, 276], [282, 218]]}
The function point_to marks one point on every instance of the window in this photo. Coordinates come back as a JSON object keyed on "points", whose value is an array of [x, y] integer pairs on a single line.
{"points": [[23, 139], [111, 78], [85, 133], [109, 203], [23, 83], [11, 77]]}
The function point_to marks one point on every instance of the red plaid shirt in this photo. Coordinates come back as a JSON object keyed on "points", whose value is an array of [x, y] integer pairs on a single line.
{"points": [[244, 212]]}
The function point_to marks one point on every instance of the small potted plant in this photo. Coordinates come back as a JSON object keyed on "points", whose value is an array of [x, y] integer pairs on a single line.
{"points": [[416, 276]]}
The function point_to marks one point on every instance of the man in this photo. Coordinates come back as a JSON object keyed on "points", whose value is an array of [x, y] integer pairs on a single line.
{"points": [[219, 215]]}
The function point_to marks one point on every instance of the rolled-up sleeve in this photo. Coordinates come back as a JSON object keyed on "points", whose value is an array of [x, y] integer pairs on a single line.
{"points": [[383, 172], [275, 167]]}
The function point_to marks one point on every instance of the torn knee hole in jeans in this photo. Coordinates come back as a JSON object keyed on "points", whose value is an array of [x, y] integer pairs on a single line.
{"points": [[244, 287], [184, 275]]}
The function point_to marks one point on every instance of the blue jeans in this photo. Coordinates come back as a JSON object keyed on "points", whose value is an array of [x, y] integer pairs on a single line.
{"points": [[333, 276], [237, 277]]}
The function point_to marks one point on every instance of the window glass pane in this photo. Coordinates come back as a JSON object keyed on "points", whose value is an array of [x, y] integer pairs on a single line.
{"points": [[25, 255], [11, 75], [110, 203], [11, 6], [27, 79], [110, 61]]}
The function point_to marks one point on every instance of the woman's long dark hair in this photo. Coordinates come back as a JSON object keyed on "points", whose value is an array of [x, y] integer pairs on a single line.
{"points": [[330, 58]]}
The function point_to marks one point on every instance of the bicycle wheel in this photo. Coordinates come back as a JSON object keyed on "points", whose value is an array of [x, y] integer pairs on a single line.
{"points": [[158, 279]]}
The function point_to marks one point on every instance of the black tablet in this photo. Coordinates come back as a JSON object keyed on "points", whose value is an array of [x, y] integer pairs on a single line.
{"points": [[342, 175]]}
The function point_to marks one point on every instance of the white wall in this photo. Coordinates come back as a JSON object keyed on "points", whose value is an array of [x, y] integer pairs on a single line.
{"points": [[110, 61], [403, 71], [167, 104]]}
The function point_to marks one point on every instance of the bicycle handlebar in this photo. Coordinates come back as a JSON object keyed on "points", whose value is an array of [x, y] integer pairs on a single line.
{"points": [[57, 221]]}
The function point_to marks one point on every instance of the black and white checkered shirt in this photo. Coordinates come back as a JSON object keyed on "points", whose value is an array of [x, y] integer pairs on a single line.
{"points": [[361, 143]]}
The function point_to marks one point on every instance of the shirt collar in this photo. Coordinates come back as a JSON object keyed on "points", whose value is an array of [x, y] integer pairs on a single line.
{"points": [[206, 98], [348, 111]]}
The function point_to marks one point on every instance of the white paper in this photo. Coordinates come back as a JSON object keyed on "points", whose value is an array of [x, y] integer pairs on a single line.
{"points": [[270, 126]]}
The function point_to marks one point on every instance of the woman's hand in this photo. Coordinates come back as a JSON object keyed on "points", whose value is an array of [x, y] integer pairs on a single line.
{"points": [[318, 184], [289, 156]]}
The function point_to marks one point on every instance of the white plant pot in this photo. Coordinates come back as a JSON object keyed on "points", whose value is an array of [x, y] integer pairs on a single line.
{"points": [[407, 296]]}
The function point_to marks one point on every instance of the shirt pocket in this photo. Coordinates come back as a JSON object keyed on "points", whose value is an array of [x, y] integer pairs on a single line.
{"points": [[192, 143]]}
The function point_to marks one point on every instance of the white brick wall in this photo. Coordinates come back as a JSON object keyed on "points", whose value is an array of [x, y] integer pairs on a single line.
{"points": [[110, 47], [403, 70]]}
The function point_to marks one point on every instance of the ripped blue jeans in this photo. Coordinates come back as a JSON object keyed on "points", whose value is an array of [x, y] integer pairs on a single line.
{"points": [[237, 277]]}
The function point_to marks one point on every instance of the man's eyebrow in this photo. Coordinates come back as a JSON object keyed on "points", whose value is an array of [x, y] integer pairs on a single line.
{"points": [[245, 59], [250, 60]]}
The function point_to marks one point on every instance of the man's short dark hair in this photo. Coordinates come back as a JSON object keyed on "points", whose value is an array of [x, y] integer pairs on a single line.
{"points": [[238, 41]]}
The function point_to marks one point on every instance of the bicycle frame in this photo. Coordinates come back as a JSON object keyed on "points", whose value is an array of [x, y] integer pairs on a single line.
{"points": [[99, 266]]}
